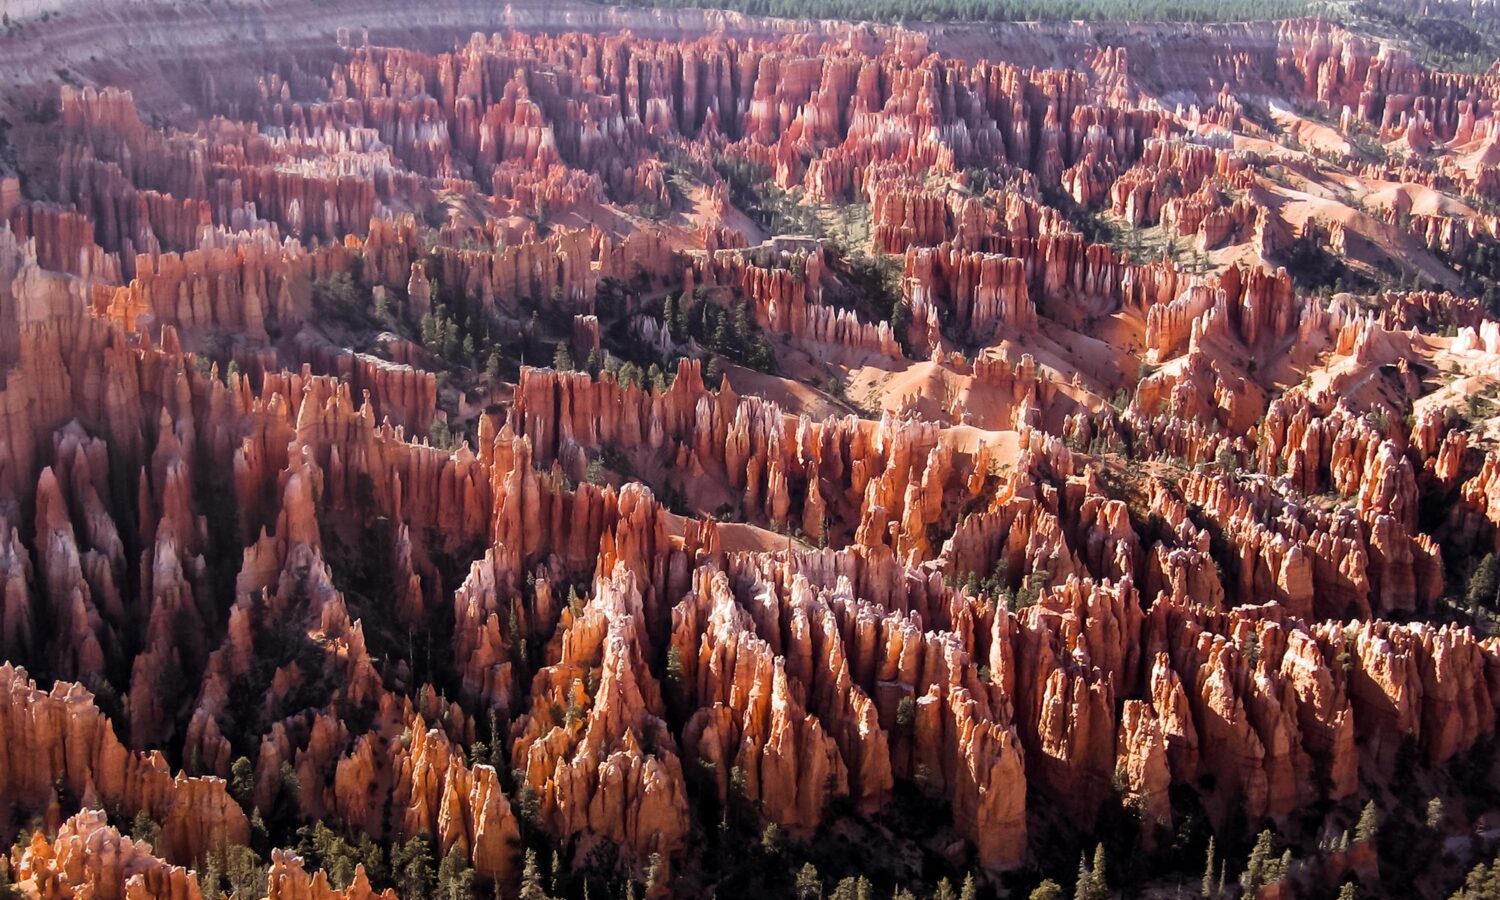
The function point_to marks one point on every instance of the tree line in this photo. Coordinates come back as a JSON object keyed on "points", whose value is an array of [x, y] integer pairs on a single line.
{"points": [[1003, 10]]}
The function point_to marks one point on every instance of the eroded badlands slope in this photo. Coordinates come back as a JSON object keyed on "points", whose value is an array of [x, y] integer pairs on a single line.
{"points": [[960, 447]]}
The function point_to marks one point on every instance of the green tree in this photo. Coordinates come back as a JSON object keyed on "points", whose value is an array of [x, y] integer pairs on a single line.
{"points": [[337, 294], [411, 866], [1047, 890], [1210, 870], [1092, 881], [328, 850], [287, 807], [455, 878], [853, 888], [1484, 584], [1264, 867], [970, 890], [770, 836], [1369, 823], [531, 879], [144, 828], [369, 855], [809, 884], [906, 712], [246, 874], [1435, 813], [1482, 883], [242, 781], [562, 360], [211, 877]]}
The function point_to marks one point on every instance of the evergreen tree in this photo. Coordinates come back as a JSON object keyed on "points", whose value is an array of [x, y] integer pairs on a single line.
{"points": [[1482, 883], [1092, 883], [809, 884], [369, 855], [1484, 584], [245, 873], [853, 888], [1210, 888], [531, 879], [242, 781], [970, 890], [328, 851], [674, 665], [770, 836], [1264, 867], [455, 879], [144, 828], [411, 866], [1369, 823], [211, 878], [1047, 890], [669, 315]]}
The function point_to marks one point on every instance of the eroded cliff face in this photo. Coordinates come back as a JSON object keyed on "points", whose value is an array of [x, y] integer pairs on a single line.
{"points": [[1065, 534]]}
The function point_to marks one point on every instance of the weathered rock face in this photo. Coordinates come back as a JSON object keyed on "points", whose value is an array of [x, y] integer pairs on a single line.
{"points": [[288, 879], [1130, 526], [90, 858], [589, 770], [60, 741]]}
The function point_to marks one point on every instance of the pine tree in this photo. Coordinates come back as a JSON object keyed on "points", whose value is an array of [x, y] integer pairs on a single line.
{"points": [[945, 891], [1210, 889], [1092, 883], [853, 888], [144, 828], [970, 890], [1482, 883], [246, 874], [411, 864], [1369, 823], [242, 781], [809, 884], [1484, 584], [656, 875], [210, 880], [455, 878], [531, 879], [1348, 891], [1263, 868], [1047, 890]]}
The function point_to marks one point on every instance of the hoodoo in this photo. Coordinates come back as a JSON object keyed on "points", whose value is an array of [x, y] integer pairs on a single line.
{"points": [[560, 450]]}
